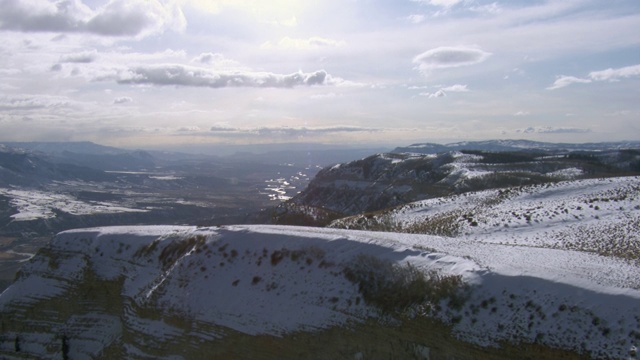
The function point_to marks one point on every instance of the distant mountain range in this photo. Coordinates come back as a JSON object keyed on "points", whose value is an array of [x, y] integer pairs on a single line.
{"points": [[101, 157], [19, 167], [514, 145], [57, 147]]}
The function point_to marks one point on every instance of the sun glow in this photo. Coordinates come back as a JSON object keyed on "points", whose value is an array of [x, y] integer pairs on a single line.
{"points": [[279, 12]]}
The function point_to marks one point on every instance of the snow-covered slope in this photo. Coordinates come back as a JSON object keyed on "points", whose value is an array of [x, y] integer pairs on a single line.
{"points": [[277, 292], [592, 215], [387, 180]]}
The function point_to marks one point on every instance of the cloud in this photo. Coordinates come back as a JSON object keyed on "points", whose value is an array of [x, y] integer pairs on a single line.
{"points": [[442, 92], [209, 58], [82, 57], [449, 57], [609, 74], [223, 129], [313, 42], [312, 131], [181, 75], [122, 100], [330, 95], [522, 113], [620, 113], [217, 61], [189, 129], [415, 18], [492, 8], [456, 88], [30, 102], [441, 3], [43, 15], [288, 131], [116, 18], [552, 130], [438, 94], [563, 81], [615, 74]]}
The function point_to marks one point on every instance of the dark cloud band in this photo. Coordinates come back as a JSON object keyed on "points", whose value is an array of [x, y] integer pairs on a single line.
{"points": [[180, 75]]}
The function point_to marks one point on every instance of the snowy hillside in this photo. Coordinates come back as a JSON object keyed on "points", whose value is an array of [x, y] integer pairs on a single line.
{"points": [[593, 215], [387, 180], [296, 292]]}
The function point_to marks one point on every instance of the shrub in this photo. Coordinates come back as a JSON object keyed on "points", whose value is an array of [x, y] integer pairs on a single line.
{"points": [[396, 287]]}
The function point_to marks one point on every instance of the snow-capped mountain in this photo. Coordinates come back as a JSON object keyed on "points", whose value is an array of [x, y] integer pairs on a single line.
{"points": [[514, 145], [563, 274]]}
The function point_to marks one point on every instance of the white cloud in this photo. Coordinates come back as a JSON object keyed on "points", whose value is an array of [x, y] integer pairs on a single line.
{"points": [[562, 81], [492, 8], [30, 102], [313, 42], [415, 18], [442, 92], [449, 57], [456, 88], [441, 3], [218, 61], [209, 58], [615, 74], [122, 100], [609, 74], [438, 94], [522, 113], [181, 75], [116, 18]]}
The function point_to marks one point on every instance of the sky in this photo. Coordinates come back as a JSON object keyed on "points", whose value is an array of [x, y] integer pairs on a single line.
{"points": [[145, 73]]}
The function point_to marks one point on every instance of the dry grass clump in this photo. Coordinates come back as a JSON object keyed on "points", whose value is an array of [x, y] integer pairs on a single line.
{"points": [[395, 288], [445, 224]]}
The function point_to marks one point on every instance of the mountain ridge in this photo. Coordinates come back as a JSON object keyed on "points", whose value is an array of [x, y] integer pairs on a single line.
{"points": [[515, 145], [387, 180]]}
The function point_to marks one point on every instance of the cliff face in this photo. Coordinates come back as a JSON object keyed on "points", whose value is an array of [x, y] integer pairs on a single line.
{"points": [[282, 292]]}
